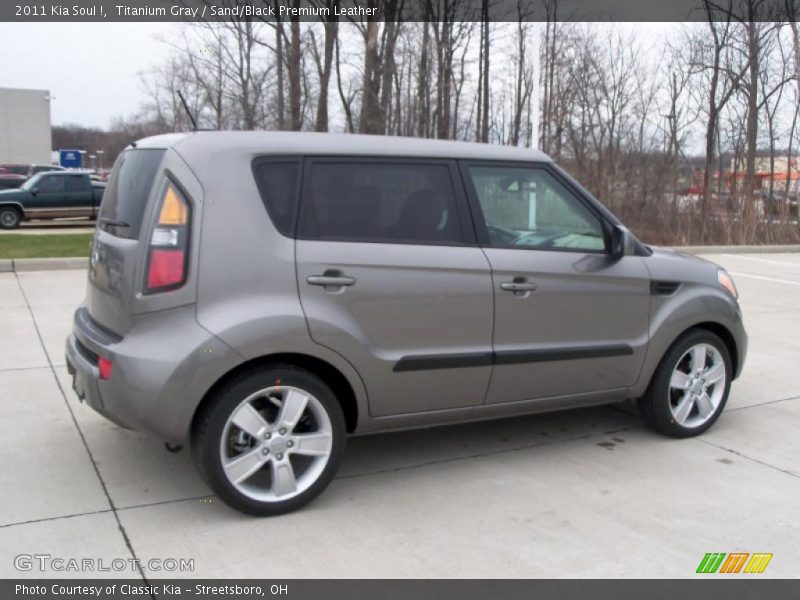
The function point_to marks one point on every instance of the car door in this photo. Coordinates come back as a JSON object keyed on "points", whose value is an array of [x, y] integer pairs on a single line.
{"points": [[79, 197], [569, 319], [391, 279], [47, 197]]}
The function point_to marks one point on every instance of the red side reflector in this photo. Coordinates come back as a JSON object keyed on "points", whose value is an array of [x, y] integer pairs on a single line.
{"points": [[105, 368], [166, 268]]}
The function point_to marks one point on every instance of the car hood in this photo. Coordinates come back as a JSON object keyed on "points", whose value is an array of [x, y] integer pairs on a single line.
{"points": [[12, 194], [675, 265]]}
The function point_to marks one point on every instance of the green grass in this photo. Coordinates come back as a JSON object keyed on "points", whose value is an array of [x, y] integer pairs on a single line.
{"points": [[15, 245]]}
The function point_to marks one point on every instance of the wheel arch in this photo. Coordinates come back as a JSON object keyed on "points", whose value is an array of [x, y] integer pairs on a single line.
{"points": [[16, 206], [332, 376], [722, 333], [661, 344]]}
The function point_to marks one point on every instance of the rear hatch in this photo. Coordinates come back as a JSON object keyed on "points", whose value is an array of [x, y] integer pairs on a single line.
{"points": [[121, 239]]}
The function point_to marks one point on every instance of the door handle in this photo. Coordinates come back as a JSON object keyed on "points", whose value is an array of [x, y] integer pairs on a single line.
{"points": [[518, 286], [330, 281]]}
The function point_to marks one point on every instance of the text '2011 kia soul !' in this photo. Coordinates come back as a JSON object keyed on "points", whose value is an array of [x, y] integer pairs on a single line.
{"points": [[262, 295]]}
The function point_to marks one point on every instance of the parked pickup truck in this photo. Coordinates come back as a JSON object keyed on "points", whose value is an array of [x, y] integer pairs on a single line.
{"points": [[51, 195]]}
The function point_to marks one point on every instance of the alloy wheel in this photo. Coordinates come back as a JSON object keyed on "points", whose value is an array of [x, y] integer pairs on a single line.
{"points": [[697, 385], [276, 443]]}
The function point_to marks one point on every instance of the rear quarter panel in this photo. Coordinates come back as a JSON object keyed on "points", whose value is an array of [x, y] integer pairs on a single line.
{"points": [[246, 286]]}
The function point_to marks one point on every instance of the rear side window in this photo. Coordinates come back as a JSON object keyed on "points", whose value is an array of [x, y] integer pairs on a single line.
{"points": [[76, 183], [381, 202], [277, 181], [126, 195]]}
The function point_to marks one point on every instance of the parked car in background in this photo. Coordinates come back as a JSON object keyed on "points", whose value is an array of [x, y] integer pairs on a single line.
{"points": [[50, 195], [10, 180], [35, 169], [261, 295], [28, 170]]}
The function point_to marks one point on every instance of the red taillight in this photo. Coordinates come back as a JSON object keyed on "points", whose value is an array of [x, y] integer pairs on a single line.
{"points": [[104, 365], [166, 268], [168, 242]]}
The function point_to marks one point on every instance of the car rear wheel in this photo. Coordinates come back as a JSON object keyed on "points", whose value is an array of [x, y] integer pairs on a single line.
{"points": [[270, 441], [9, 218], [690, 386]]}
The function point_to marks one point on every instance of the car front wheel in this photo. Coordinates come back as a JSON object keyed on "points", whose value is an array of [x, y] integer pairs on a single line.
{"points": [[270, 440], [9, 218], [690, 386]]}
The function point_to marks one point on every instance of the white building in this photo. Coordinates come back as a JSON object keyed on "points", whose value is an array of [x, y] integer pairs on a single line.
{"points": [[25, 126]]}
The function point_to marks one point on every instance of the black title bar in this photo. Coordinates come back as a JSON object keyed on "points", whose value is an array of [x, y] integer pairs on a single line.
{"points": [[393, 10]]}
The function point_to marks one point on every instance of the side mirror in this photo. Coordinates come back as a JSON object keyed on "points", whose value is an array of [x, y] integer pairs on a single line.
{"points": [[35, 191], [622, 242]]}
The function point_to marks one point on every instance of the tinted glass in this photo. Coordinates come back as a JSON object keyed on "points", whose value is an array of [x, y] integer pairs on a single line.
{"points": [[126, 195], [381, 202], [277, 184], [76, 183], [49, 184], [529, 208]]}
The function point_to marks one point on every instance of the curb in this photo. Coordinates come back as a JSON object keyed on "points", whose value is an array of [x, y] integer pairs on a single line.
{"points": [[42, 264], [736, 249], [60, 264]]}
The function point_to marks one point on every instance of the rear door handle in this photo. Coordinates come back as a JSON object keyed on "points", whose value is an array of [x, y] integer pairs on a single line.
{"points": [[330, 281], [518, 286]]}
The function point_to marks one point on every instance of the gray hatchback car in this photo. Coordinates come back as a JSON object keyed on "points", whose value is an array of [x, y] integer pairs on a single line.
{"points": [[262, 295]]}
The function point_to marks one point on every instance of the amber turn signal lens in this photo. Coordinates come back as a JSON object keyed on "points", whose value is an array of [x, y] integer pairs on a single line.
{"points": [[726, 281], [173, 210]]}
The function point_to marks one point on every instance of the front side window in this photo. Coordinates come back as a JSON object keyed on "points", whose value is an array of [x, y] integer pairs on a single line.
{"points": [[381, 202], [526, 207], [50, 184]]}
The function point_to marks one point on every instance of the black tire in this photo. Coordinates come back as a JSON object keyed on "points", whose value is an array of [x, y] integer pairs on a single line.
{"points": [[10, 217], [210, 425], [655, 404]]}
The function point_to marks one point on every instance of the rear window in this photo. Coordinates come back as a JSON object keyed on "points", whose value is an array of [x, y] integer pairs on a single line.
{"points": [[126, 195]]}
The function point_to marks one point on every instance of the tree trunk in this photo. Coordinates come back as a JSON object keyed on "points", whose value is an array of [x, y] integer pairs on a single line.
{"points": [[295, 74], [486, 44], [331, 32], [280, 62], [370, 102]]}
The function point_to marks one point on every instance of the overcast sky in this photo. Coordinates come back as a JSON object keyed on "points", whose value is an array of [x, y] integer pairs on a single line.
{"points": [[91, 69]]}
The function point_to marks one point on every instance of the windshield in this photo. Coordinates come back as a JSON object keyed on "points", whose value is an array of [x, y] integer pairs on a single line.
{"points": [[32, 182]]}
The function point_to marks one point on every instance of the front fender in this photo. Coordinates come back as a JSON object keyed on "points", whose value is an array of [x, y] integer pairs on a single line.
{"points": [[13, 203], [692, 305]]}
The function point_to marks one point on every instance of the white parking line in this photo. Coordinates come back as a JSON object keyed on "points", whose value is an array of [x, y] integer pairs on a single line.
{"points": [[786, 281], [765, 260]]}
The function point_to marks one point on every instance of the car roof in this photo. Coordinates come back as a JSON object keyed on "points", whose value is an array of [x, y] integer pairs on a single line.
{"points": [[203, 143]]}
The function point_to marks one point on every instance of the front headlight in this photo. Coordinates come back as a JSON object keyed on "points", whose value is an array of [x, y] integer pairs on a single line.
{"points": [[726, 281]]}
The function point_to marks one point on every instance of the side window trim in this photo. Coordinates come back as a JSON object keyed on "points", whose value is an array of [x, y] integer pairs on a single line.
{"points": [[479, 219], [466, 225]]}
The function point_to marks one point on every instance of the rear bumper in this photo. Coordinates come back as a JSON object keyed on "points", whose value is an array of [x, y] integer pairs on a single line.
{"points": [[161, 370]]}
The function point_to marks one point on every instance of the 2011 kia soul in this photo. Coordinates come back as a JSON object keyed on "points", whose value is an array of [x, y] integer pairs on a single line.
{"points": [[265, 294]]}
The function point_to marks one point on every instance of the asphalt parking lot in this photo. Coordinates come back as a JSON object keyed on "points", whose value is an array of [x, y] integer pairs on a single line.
{"points": [[586, 493]]}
